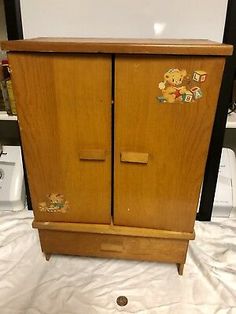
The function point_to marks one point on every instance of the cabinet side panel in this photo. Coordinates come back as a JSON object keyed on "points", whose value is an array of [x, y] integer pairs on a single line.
{"points": [[164, 112], [64, 108]]}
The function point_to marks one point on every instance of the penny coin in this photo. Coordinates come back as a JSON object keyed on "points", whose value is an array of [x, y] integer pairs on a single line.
{"points": [[122, 301]]}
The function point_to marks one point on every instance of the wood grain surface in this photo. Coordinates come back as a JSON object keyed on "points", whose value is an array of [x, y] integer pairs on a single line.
{"points": [[64, 108], [113, 246], [163, 193], [119, 45], [112, 229], [63, 94]]}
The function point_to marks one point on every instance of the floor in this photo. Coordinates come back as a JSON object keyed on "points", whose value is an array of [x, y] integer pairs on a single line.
{"points": [[79, 285]]}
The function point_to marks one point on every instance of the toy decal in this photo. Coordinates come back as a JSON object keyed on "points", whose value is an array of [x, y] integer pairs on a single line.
{"points": [[55, 203], [178, 86], [197, 93], [199, 76]]}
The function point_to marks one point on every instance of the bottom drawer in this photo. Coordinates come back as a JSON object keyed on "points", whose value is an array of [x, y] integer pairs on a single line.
{"points": [[113, 246]]}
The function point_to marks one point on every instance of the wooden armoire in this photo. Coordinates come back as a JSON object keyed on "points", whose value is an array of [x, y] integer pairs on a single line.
{"points": [[115, 136]]}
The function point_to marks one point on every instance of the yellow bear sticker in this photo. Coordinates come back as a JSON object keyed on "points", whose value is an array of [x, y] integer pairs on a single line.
{"points": [[177, 86], [55, 203]]}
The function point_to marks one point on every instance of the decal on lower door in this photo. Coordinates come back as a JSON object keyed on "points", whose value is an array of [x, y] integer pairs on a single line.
{"points": [[54, 203], [178, 86]]}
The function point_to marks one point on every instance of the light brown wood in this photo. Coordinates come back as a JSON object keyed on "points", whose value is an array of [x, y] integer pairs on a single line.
{"points": [[92, 154], [180, 268], [141, 158], [113, 230], [63, 90], [111, 45], [64, 106], [113, 246], [164, 193]]}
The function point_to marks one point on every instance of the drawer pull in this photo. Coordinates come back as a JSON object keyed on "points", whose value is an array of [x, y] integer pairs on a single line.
{"points": [[141, 158], [112, 247], [92, 154]]}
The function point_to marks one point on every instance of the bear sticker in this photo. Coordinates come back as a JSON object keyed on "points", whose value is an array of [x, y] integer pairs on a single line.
{"points": [[174, 89], [55, 203]]}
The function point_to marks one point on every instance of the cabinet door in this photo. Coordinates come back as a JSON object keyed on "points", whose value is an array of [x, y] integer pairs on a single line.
{"points": [[64, 109], [164, 112]]}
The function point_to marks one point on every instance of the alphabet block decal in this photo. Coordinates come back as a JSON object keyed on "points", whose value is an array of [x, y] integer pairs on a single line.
{"points": [[188, 96], [197, 93], [199, 76]]}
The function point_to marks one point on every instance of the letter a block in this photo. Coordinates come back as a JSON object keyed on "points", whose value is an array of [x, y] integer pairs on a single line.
{"points": [[197, 93]]}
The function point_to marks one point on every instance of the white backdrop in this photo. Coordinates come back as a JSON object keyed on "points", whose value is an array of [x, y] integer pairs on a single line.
{"points": [[124, 18]]}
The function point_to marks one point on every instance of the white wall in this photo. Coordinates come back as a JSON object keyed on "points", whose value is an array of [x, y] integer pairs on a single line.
{"points": [[124, 18]]}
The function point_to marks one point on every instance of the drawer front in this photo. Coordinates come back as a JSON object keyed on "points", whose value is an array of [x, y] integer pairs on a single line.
{"points": [[164, 112], [64, 109], [113, 246]]}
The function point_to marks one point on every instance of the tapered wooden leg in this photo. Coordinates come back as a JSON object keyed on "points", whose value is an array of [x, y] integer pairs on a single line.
{"points": [[180, 268], [47, 256]]}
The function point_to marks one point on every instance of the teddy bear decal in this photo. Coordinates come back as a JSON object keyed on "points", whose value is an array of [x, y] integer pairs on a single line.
{"points": [[55, 203], [173, 89]]}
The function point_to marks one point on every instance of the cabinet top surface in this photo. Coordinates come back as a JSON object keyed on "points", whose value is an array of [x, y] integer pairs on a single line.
{"points": [[111, 45]]}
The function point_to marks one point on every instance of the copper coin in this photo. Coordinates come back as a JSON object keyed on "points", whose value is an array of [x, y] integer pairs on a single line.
{"points": [[122, 301]]}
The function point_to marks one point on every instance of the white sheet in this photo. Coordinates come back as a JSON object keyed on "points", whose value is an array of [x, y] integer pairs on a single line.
{"points": [[65, 285]]}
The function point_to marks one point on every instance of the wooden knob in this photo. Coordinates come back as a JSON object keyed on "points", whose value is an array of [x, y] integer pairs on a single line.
{"points": [[134, 157], [92, 154]]}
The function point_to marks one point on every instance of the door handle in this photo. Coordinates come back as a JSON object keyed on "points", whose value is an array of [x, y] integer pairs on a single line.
{"points": [[92, 155], [140, 158]]}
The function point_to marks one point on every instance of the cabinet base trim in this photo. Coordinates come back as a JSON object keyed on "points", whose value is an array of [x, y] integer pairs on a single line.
{"points": [[113, 230]]}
